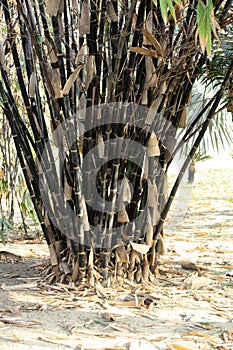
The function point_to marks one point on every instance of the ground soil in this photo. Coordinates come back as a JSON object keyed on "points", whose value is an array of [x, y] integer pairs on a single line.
{"points": [[190, 305]]}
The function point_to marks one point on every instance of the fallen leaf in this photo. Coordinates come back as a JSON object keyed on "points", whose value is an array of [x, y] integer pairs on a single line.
{"points": [[140, 248], [18, 322], [173, 346], [195, 282], [20, 286]]}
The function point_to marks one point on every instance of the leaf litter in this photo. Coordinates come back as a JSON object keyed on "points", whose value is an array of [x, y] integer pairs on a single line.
{"points": [[189, 306]]}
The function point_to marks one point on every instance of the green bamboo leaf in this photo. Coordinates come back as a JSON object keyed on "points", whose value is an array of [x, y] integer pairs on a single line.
{"points": [[201, 20], [171, 8], [205, 25], [209, 10], [163, 8], [8, 225]]}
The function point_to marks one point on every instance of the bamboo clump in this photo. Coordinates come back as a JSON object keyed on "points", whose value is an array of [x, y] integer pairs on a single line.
{"points": [[70, 56]]}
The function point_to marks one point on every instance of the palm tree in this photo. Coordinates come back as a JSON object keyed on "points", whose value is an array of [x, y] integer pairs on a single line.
{"points": [[96, 95]]}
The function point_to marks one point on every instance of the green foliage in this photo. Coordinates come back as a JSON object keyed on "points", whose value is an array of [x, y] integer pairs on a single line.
{"points": [[166, 5], [206, 24], [200, 156], [27, 207], [5, 225]]}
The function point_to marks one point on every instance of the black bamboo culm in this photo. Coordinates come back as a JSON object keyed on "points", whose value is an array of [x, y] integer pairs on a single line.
{"points": [[191, 154], [113, 80]]}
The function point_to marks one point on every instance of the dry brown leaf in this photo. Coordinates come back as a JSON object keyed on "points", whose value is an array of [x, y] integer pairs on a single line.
{"points": [[46, 340], [154, 42], [226, 266], [143, 51], [214, 340], [173, 346], [72, 78], [224, 315]]}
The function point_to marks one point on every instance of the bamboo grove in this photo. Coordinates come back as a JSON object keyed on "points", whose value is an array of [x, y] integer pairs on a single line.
{"points": [[104, 61]]}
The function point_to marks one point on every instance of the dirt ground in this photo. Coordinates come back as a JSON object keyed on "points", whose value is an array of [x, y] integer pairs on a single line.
{"points": [[190, 306]]}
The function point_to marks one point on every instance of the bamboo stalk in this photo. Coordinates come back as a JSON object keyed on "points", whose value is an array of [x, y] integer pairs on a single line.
{"points": [[192, 152]]}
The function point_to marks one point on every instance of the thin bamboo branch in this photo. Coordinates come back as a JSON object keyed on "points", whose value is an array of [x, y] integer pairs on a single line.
{"points": [[193, 150]]}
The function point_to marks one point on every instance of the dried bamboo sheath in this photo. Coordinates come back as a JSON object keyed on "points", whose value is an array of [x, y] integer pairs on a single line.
{"points": [[70, 56]]}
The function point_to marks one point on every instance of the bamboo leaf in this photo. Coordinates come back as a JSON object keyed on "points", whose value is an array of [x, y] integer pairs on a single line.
{"points": [[205, 17], [201, 22], [163, 9], [209, 10], [71, 80], [144, 51], [171, 8], [154, 42]]}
